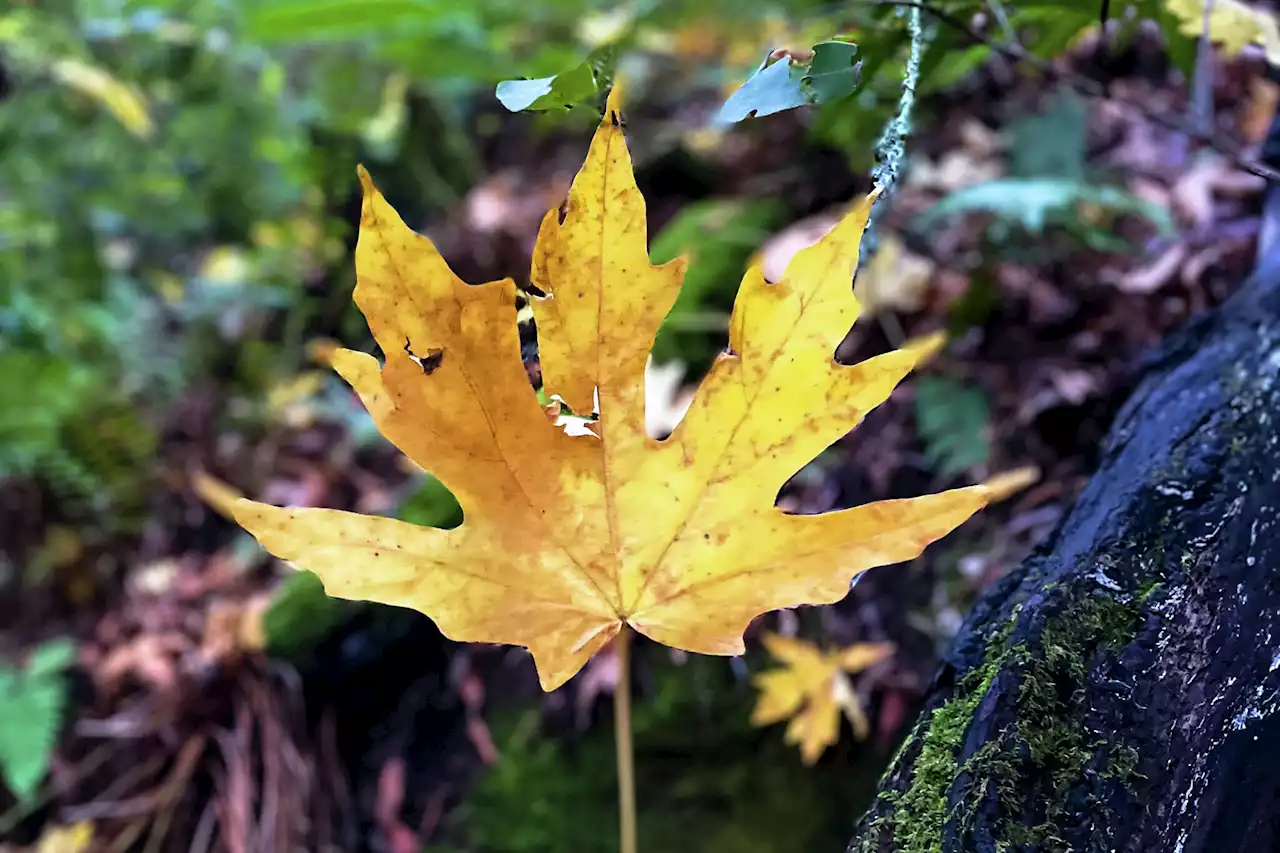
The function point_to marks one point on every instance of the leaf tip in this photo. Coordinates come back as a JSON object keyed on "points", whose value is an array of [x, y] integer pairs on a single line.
{"points": [[220, 496], [1008, 483], [613, 105], [366, 182], [925, 347]]}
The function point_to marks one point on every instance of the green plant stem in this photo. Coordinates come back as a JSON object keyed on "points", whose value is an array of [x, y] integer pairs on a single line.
{"points": [[622, 737]]}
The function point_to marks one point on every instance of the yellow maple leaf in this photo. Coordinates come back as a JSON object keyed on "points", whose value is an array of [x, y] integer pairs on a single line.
{"points": [[1232, 24], [566, 538], [812, 688]]}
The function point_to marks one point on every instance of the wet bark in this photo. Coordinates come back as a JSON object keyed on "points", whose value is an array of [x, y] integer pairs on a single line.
{"points": [[1119, 690]]}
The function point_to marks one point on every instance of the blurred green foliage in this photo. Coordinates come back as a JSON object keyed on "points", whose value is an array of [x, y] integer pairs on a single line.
{"points": [[1049, 185], [717, 237], [954, 424], [160, 192]]}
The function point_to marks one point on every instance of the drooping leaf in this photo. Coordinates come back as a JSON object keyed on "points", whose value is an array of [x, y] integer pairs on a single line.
{"points": [[1006, 484], [812, 688], [774, 87], [826, 73], [566, 539], [578, 85]]}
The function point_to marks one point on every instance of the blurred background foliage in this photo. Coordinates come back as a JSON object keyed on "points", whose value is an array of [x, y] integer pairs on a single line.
{"points": [[176, 189]]}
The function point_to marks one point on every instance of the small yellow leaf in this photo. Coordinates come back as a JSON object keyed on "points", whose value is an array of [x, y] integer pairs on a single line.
{"points": [[1232, 24], [894, 280], [860, 656], [388, 122], [925, 347], [225, 265], [66, 839], [120, 99], [570, 536], [170, 288], [811, 688], [288, 401]]}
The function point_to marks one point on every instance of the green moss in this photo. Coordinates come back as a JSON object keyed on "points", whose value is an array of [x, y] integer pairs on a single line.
{"points": [[920, 811], [1050, 745], [1030, 767]]}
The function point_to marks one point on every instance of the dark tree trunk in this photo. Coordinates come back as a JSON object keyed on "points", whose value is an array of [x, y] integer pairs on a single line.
{"points": [[1118, 691]]}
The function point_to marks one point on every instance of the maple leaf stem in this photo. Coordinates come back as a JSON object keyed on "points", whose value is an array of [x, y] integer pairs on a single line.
{"points": [[622, 736]]}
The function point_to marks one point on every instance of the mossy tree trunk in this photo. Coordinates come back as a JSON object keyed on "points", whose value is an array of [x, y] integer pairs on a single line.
{"points": [[1118, 691]]}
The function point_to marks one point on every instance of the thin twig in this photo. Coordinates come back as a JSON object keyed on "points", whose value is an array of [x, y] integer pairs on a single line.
{"points": [[1092, 88], [173, 789], [891, 149]]}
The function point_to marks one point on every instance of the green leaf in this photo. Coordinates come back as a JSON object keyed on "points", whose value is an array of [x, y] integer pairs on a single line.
{"points": [[952, 421], [32, 702], [879, 48], [1034, 202], [1053, 28], [282, 20], [578, 85], [956, 64], [833, 72]]}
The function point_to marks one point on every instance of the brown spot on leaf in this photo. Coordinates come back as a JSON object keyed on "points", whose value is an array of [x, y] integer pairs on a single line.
{"points": [[432, 361], [429, 362]]}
